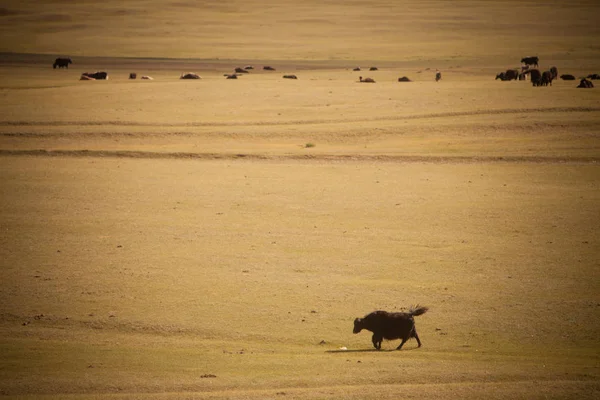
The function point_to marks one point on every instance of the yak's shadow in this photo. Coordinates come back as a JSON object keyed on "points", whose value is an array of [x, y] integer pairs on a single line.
{"points": [[370, 350]]}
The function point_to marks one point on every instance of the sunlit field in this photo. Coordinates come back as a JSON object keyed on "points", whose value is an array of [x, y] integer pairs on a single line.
{"points": [[216, 238]]}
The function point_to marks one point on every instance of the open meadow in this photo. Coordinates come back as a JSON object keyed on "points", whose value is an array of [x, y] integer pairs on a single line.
{"points": [[216, 238]]}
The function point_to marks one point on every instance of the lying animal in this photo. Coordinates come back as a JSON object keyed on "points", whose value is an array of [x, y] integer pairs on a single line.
{"points": [[390, 325], [189, 75], [95, 75], [366, 80], [586, 84], [567, 77], [290, 77]]}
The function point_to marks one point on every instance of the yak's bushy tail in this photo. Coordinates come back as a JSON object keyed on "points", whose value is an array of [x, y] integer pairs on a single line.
{"points": [[417, 310]]}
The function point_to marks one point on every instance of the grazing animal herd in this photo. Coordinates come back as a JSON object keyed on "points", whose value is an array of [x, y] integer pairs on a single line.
{"points": [[537, 78]]}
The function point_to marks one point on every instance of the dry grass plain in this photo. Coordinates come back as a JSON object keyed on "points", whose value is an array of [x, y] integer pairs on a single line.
{"points": [[215, 239]]}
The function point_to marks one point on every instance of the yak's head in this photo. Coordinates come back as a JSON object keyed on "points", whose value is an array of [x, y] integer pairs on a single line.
{"points": [[358, 325]]}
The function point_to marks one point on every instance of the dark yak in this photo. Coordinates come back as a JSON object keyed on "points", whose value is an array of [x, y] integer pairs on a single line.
{"points": [[536, 76], [96, 75], [586, 84], [239, 70], [290, 77], [593, 76], [530, 61], [62, 63], [390, 325], [567, 77], [554, 72], [546, 79], [509, 75], [404, 79]]}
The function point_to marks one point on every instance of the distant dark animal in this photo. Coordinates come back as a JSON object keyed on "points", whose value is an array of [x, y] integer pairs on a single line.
{"points": [[96, 75], [231, 76], [509, 75], [373, 69], [268, 68], [593, 76], [404, 79], [189, 75], [366, 80], [146, 77], [248, 67], [530, 61], [546, 79], [554, 72], [567, 77], [62, 63], [290, 77], [535, 75], [438, 76], [390, 325], [356, 69], [586, 84], [241, 71], [132, 75]]}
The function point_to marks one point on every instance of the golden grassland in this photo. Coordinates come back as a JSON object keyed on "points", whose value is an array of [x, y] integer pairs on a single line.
{"points": [[212, 239]]}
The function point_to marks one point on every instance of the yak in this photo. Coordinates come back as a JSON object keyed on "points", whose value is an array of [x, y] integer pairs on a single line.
{"points": [[189, 75], [390, 325], [290, 77], [536, 76], [62, 63], [586, 84], [546, 78], [554, 72], [593, 76], [96, 75], [366, 80], [567, 77], [404, 79], [530, 61], [509, 75]]}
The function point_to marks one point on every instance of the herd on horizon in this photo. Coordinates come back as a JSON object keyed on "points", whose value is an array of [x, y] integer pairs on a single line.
{"points": [[529, 68]]}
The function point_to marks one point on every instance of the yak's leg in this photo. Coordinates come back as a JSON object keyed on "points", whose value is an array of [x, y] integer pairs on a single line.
{"points": [[377, 339], [414, 334], [402, 343]]}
